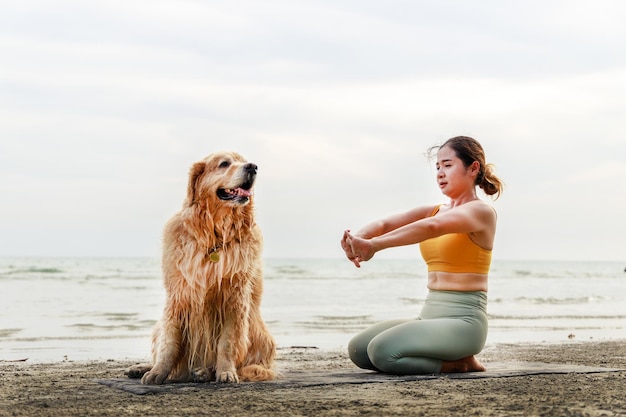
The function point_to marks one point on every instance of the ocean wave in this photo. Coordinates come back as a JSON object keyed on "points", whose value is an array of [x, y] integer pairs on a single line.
{"points": [[11, 271], [557, 317], [82, 337], [119, 316], [337, 323], [88, 327], [412, 300], [290, 270], [588, 299], [557, 300], [9, 332]]}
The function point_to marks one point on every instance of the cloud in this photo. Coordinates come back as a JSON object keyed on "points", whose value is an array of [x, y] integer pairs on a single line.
{"points": [[105, 106]]}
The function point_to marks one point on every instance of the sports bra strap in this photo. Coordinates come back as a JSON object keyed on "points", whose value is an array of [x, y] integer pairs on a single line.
{"points": [[435, 210]]}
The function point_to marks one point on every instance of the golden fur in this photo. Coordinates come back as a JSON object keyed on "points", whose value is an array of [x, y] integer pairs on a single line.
{"points": [[211, 328]]}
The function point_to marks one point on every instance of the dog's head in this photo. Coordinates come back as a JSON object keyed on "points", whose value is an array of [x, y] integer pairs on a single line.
{"points": [[224, 177]]}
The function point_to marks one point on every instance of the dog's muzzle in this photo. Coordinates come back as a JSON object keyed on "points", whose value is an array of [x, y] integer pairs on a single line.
{"points": [[242, 193]]}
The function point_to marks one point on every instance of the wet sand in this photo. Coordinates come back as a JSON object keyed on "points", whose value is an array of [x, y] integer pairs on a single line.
{"points": [[70, 389]]}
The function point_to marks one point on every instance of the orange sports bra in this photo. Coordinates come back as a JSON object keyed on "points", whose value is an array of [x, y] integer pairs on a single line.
{"points": [[455, 252]]}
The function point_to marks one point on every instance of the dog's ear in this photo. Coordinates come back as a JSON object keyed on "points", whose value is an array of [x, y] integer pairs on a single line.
{"points": [[194, 173]]}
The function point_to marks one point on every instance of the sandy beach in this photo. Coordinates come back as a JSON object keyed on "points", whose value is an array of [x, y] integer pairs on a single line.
{"points": [[70, 389]]}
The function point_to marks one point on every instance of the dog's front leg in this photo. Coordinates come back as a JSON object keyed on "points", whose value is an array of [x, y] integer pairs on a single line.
{"points": [[167, 341], [232, 343]]}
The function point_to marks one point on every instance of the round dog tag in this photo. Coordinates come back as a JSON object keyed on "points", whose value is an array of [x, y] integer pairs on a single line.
{"points": [[214, 257]]}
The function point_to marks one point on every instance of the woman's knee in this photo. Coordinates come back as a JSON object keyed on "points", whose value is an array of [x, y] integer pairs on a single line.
{"points": [[358, 345], [357, 351], [385, 357], [381, 354]]}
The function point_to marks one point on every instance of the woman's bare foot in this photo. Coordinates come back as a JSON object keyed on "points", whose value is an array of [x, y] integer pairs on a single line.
{"points": [[468, 364]]}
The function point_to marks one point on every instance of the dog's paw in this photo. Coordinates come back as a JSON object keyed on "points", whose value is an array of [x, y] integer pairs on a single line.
{"points": [[201, 375], [229, 377], [154, 377], [137, 371]]}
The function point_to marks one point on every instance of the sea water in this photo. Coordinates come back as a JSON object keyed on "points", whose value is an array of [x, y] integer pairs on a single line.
{"points": [[54, 309]]}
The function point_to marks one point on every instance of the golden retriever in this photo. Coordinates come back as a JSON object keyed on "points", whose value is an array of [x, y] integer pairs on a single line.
{"points": [[211, 328]]}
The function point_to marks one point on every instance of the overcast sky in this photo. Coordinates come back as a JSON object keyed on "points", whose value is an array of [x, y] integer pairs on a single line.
{"points": [[105, 104]]}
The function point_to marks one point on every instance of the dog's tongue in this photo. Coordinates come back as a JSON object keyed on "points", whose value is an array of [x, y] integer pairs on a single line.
{"points": [[243, 193]]}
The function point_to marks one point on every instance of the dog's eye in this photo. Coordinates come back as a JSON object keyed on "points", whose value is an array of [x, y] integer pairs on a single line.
{"points": [[224, 164]]}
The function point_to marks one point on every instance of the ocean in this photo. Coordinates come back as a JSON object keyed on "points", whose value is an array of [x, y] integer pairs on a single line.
{"points": [[58, 309]]}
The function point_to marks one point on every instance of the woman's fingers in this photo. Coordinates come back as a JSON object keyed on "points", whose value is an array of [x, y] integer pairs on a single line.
{"points": [[346, 245]]}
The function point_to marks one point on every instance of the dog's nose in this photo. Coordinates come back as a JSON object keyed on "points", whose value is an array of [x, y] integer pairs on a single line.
{"points": [[250, 168]]}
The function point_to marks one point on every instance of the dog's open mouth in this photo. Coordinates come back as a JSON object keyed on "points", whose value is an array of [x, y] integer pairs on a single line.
{"points": [[240, 194]]}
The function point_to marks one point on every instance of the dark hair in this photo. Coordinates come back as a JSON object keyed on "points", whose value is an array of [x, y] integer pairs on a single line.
{"points": [[469, 150]]}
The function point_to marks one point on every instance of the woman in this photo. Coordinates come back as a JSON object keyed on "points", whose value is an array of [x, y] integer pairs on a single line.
{"points": [[456, 240]]}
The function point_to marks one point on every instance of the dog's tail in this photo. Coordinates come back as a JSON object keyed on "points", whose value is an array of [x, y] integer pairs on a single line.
{"points": [[256, 373]]}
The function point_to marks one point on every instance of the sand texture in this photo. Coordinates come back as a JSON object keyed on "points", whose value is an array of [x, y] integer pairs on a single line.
{"points": [[572, 379]]}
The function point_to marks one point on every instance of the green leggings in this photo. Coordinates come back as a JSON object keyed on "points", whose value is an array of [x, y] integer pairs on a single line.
{"points": [[452, 325]]}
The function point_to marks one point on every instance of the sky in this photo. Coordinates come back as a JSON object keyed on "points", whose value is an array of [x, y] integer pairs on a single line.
{"points": [[105, 105]]}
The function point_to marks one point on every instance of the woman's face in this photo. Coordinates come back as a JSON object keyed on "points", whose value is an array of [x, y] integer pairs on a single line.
{"points": [[453, 177]]}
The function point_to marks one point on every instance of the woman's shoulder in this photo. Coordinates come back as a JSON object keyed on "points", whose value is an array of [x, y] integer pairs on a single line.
{"points": [[481, 204], [475, 207], [483, 209]]}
